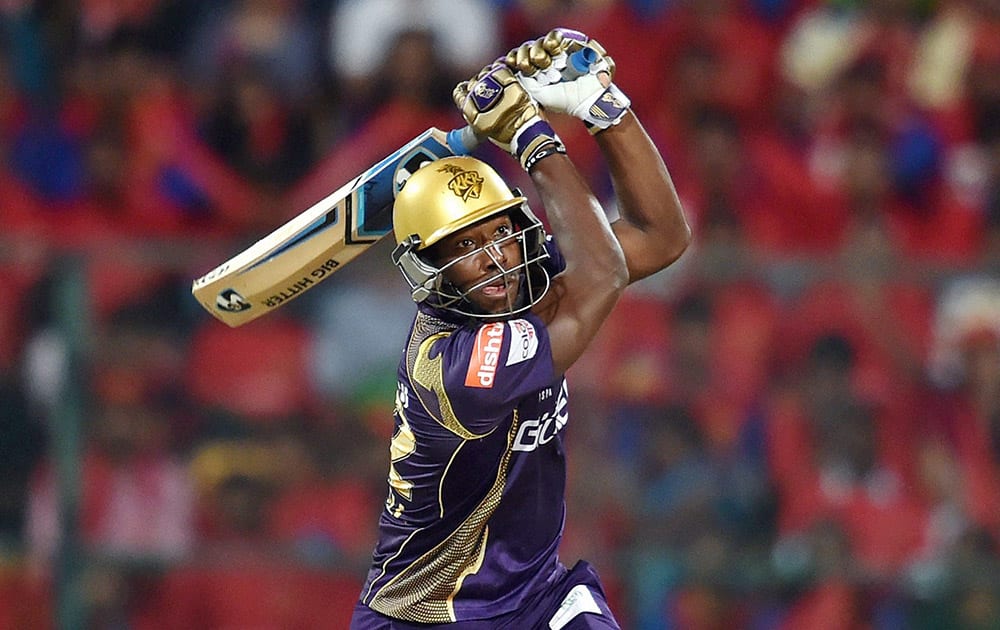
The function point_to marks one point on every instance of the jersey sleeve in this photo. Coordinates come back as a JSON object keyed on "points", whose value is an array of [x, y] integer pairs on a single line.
{"points": [[488, 369], [555, 264]]}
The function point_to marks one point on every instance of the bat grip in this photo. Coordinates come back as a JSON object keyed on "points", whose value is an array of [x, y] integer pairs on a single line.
{"points": [[464, 141], [578, 64]]}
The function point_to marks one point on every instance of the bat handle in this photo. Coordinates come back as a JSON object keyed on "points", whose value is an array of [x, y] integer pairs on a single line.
{"points": [[578, 64], [464, 141]]}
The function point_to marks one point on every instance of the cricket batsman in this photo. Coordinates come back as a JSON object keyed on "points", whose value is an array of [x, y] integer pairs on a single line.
{"points": [[474, 513]]}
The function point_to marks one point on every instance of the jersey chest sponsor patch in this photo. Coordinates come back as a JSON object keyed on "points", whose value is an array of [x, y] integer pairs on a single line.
{"points": [[523, 342], [489, 345]]}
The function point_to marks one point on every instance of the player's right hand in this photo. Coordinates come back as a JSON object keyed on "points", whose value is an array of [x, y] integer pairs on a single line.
{"points": [[551, 51], [497, 107], [546, 70]]}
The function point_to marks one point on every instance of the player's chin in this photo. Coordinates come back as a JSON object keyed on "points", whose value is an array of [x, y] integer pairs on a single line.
{"points": [[497, 299]]}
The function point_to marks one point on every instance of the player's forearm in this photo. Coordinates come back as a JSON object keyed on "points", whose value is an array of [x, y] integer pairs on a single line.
{"points": [[568, 72], [653, 230], [579, 222], [596, 273]]}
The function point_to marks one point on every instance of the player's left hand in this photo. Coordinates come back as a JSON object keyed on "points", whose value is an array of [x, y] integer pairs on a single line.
{"points": [[498, 107], [549, 69], [495, 105]]}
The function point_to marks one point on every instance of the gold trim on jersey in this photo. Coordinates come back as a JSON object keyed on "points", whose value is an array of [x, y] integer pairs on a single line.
{"points": [[444, 475], [424, 591], [402, 446], [469, 570], [429, 374]]}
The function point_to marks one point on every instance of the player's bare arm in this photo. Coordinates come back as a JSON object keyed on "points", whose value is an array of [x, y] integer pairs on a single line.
{"points": [[596, 273], [581, 297], [652, 230]]}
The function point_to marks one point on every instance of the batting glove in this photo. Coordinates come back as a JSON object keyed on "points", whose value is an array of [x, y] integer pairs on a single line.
{"points": [[567, 72], [496, 106]]}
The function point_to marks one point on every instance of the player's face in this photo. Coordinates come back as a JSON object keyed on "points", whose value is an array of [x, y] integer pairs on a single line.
{"points": [[484, 262]]}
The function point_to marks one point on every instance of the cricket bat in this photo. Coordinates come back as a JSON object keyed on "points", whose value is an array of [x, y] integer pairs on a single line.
{"points": [[314, 244]]}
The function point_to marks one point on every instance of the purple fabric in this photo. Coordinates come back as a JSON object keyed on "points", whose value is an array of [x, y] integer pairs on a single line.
{"points": [[510, 370], [536, 613]]}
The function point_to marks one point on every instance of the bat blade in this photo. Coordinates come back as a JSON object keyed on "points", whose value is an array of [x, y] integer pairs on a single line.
{"points": [[318, 242]]}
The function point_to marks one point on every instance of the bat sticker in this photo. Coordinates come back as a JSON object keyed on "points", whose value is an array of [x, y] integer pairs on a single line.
{"points": [[231, 301]]}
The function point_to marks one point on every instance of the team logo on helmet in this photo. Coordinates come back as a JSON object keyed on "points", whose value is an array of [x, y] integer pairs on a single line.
{"points": [[466, 184]]}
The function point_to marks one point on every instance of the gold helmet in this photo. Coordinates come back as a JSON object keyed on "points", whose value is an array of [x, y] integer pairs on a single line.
{"points": [[445, 196]]}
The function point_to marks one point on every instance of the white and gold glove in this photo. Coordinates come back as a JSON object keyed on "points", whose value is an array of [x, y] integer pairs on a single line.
{"points": [[496, 106], [568, 72]]}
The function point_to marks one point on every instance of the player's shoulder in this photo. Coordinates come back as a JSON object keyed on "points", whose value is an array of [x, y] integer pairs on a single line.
{"points": [[480, 352], [474, 350], [481, 369]]}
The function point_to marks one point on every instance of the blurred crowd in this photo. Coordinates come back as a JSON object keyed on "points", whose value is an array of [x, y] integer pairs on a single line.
{"points": [[796, 426]]}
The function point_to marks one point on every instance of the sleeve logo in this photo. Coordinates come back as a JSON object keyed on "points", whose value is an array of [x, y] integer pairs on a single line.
{"points": [[485, 356], [523, 343]]}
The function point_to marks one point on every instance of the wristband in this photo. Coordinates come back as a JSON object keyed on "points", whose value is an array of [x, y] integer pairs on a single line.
{"points": [[535, 140], [544, 151]]}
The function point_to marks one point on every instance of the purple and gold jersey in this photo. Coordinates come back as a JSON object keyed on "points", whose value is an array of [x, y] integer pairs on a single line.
{"points": [[475, 508]]}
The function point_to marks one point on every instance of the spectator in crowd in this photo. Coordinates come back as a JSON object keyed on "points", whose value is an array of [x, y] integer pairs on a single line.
{"points": [[330, 487], [252, 126], [238, 482], [991, 205], [960, 428], [819, 580], [831, 456], [679, 490], [248, 571], [22, 439], [275, 39], [411, 62], [368, 39], [963, 592]]}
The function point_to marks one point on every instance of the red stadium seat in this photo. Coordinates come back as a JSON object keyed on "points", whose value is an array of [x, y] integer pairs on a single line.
{"points": [[250, 590], [25, 599], [260, 370], [744, 328]]}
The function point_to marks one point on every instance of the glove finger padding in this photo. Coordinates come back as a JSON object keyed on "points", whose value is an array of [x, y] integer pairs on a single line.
{"points": [[494, 104], [545, 71], [540, 53], [598, 105]]}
